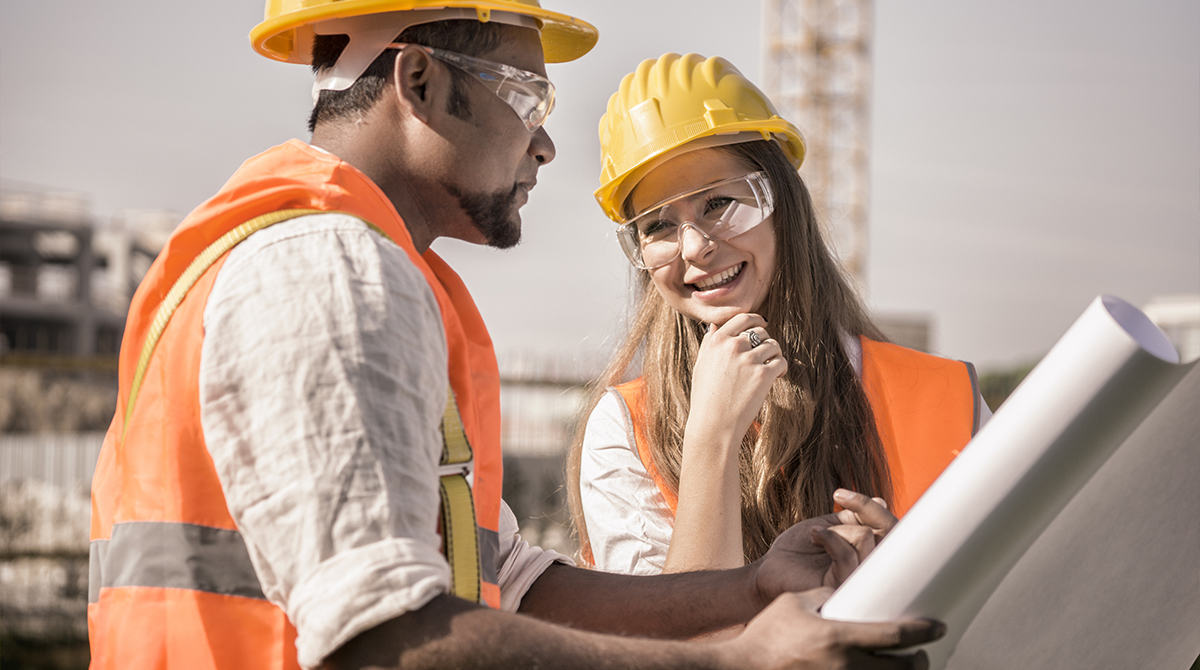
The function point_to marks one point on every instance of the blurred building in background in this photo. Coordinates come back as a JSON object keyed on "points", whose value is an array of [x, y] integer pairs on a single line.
{"points": [[541, 399], [65, 284], [914, 331], [1179, 318], [65, 287], [47, 262]]}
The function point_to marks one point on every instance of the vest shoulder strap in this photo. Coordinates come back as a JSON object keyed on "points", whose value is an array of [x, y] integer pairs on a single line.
{"points": [[460, 540], [632, 392], [198, 266]]}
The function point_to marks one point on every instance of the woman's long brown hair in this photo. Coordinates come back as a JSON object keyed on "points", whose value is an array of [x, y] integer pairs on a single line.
{"points": [[816, 430]]}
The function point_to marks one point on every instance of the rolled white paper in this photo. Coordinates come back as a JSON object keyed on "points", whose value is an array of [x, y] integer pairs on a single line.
{"points": [[956, 544]]}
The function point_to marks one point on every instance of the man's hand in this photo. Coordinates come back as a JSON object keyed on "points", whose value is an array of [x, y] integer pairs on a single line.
{"points": [[795, 562], [790, 634], [824, 550], [863, 524], [684, 605]]}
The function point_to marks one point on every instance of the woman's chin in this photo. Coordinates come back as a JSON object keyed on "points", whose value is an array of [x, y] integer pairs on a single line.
{"points": [[716, 316]]}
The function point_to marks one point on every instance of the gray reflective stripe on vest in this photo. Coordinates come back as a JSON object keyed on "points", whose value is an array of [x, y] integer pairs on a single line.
{"points": [[171, 555], [186, 556], [489, 550], [975, 400]]}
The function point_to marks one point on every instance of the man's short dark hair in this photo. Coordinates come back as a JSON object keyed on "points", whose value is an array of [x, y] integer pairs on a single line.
{"points": [[464, 36]]}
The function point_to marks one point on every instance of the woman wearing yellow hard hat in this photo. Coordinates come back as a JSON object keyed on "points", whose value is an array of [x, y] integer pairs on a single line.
{"points": [[761, 386]]}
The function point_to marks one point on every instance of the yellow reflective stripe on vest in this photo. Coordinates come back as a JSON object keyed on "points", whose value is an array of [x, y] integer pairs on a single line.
{"points": [[460, 540]]}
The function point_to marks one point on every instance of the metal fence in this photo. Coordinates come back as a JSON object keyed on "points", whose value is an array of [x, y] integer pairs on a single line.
{"points": [[62, 459]]}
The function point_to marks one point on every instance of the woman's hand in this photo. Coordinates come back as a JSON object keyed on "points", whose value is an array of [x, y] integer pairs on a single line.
{"points": [[732, 376], [730, 381], [863, 523]]}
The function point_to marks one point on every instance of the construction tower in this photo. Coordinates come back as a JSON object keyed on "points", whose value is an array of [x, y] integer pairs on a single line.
{"points": [[817, 70]]}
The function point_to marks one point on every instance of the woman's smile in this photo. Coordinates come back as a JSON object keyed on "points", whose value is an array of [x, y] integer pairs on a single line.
{"points": [[719, 280], [711, 280]]}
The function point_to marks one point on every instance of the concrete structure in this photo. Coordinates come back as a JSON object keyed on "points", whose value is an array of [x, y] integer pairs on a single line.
{"points": [[64, 284]]}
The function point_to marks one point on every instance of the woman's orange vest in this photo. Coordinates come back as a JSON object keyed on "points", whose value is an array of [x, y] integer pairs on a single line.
{"points": [[926, 410], [171, 584]]}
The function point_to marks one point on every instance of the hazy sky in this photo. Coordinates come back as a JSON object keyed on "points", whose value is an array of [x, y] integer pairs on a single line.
{"points": [[1027, 156]]}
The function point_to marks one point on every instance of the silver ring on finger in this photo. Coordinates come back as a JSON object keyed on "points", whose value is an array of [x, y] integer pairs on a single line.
{"points": [[754, 338]]}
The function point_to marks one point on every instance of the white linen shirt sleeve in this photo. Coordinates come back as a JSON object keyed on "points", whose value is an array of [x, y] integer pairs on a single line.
{"points": [[322, 387], [628, 521], [519, 565]]}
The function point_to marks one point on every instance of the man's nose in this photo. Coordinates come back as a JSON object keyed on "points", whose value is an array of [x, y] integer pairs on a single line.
{"points": [[541, 147]]}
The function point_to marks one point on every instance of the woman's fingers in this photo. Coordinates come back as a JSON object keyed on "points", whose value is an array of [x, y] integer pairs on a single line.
{"points": [[870, 512], [859, 537], [748, 334], [733, 373], [743, 331], [755, 337], [740, 323]]}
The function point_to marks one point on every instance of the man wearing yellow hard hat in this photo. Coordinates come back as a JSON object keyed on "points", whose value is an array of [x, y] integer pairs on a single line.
{"points": [[304, 467]]}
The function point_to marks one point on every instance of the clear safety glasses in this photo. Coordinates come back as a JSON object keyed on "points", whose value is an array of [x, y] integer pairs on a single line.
{"points": [[718, 212], [530, 95]]}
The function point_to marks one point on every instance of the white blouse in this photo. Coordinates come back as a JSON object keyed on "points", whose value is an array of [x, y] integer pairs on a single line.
{"points": [[628, 521]]}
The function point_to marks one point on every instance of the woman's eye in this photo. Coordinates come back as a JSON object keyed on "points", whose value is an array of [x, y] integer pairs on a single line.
{"points": [[717, 204], [656, 227]]}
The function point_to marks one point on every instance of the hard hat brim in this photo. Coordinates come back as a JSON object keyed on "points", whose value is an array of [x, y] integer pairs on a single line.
{"points": [[564, 38], [611, 194]]}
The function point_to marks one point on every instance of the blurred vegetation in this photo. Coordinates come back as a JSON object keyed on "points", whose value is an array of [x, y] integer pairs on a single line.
{"points": [[997, 385], [21, 653], [43, 576], [36, 400], [43, 585]]}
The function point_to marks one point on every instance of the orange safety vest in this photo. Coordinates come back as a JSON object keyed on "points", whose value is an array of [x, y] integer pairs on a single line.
{"points": [[926, 410], [171, 583]]}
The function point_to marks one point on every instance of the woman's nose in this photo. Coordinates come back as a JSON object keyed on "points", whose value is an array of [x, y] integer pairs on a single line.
{"points": [[694, 244]]}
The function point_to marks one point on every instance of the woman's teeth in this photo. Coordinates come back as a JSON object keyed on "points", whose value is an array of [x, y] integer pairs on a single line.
{"points": [[719, 279]]}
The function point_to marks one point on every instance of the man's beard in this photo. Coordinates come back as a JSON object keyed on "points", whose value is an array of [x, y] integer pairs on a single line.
{"points": [[492, 215]]}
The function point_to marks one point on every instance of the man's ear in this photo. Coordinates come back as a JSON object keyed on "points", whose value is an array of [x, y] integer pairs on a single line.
{"points": [[415, 82]]}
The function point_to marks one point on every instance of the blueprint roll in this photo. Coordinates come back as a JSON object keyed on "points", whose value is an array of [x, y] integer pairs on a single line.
{"points": [[957, 543]]}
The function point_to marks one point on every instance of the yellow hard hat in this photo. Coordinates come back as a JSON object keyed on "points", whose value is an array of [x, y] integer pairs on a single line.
{"points": [[669, 102], [287, 28]]}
